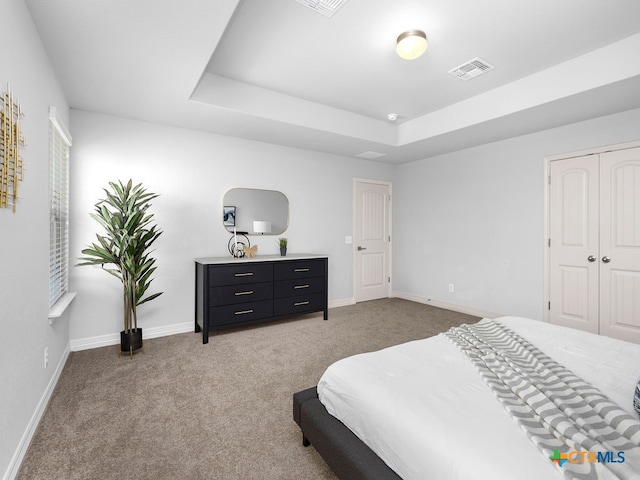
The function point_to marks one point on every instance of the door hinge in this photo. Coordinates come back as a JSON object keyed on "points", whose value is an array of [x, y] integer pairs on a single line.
{"points": [[549, 242], [549, 306], [549, 179], [389, 237], [389, 279]]}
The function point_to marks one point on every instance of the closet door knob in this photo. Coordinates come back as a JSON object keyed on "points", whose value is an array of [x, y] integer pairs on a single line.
{"points": [[361, 248], [606, 259], [591, 258]]}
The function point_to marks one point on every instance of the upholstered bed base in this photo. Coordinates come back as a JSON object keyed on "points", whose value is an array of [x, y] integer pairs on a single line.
{"points": [[347, 456]]}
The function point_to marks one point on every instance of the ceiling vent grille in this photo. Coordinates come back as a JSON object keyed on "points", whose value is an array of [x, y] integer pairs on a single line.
{"points": [[471, 69], [370, 155], [325, 7]]}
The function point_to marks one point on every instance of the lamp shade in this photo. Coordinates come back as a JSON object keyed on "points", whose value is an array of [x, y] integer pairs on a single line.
{"points": [[411, 44], [261, 226]]}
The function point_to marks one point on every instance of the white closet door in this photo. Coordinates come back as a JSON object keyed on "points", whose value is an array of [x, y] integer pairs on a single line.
{"points": [[573, 254], [620, 244]]}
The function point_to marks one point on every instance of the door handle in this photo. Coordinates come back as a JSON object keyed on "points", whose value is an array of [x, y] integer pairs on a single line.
{"points": [[606, 259], [361, 248], [591, 258]]}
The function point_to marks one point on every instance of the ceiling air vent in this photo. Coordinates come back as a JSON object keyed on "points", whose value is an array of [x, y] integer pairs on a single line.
{"points": [[325, 7], [370, 155], [471, 69]]}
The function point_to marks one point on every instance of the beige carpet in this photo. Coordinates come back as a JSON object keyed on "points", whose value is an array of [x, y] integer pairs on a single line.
{"points": [[184, 410]]}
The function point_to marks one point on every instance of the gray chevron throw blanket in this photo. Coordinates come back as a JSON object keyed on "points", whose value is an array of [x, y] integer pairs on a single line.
{"points": [[564, 416]]}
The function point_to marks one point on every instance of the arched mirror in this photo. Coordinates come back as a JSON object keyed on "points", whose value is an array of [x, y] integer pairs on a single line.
{"points": [[255, 211]]}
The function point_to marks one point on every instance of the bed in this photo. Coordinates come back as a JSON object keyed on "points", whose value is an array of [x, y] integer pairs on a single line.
{"points": [[422, 410]]}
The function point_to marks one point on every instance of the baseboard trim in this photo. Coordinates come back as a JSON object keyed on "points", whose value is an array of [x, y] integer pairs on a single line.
{"points": [[27, 436], [114, 338], [344, 302], [88, 343], [186, 327], [447, 305]]}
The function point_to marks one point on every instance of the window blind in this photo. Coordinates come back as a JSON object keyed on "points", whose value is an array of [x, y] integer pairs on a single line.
{"points": [[59, 143]]}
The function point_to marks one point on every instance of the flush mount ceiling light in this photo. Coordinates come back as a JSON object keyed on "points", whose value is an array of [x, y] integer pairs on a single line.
{"points": [[411, 44]]}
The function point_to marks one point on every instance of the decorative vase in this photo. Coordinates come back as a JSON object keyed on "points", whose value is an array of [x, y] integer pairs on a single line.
{"points": [[130, 341], [283, 251]]}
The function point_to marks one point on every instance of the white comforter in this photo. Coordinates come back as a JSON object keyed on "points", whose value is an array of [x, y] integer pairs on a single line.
{"points": [[424, 409]]}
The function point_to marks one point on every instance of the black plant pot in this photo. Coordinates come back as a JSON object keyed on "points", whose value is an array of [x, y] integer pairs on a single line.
{"points": [[131, 341], [283, 251]]}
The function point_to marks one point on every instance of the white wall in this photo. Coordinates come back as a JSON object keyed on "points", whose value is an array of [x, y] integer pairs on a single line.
{"points": [[24, 244], [475, 218], [191, 171]]}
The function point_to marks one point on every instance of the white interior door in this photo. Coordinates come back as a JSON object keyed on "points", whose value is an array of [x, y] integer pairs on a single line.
{"points": [[594, 254], [574, 250], [371, 240], [620, 244]]}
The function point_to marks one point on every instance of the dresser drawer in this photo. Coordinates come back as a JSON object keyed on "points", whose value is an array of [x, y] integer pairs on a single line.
{"points": [[298, 286], [303, 303], [239, 274], [243, 293], [287, 270], [237, 314]]}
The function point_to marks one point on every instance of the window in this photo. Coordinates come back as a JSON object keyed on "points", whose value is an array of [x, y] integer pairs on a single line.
{"points": [[59, 143]]}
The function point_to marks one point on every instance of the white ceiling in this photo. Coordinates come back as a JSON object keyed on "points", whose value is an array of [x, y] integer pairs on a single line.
{"points": [[279, 72]]}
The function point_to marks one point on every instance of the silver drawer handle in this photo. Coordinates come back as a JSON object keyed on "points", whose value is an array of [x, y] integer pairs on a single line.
{"points": [[301, 270], [242, 312], [301, 286], [248, 274], [244, 293], [300, 303]]}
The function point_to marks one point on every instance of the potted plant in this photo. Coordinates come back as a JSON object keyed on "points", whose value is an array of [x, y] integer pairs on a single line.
{"points": [[283, 246], [123, 251]]}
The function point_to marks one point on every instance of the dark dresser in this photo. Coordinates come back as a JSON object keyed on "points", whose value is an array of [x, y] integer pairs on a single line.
{"points": [[232, 292]]}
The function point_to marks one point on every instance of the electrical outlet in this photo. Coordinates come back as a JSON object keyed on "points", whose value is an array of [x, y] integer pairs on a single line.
{"points": [[46, 356], [451, 288]]}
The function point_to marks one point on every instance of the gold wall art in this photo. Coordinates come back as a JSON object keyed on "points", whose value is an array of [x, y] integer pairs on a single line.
{"points": [[11, 139]]}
